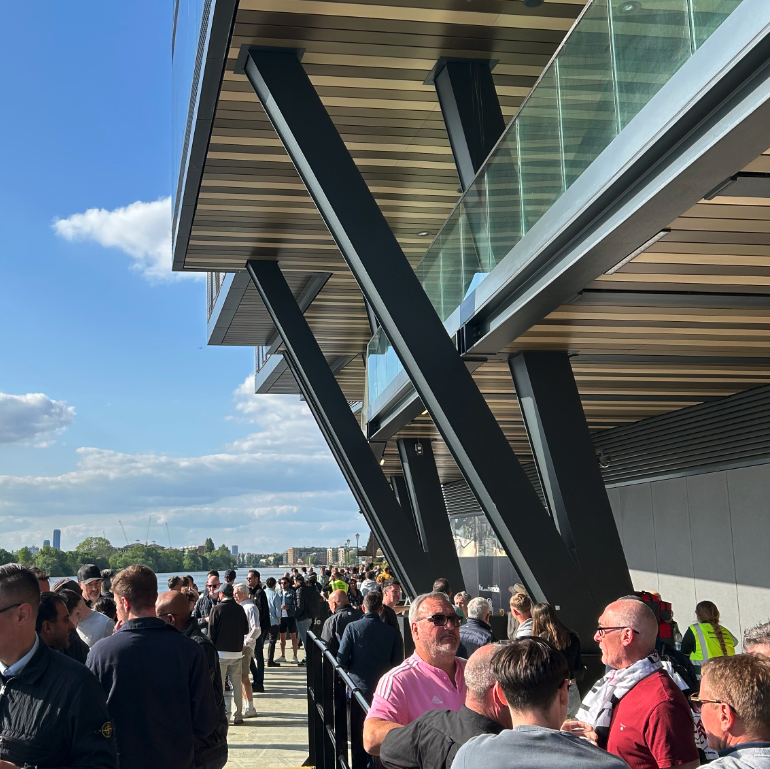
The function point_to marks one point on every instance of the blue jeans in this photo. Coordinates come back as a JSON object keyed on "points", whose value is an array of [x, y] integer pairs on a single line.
{"points": [[303, 625]]}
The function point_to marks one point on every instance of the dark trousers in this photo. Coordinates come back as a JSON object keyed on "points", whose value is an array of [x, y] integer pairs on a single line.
{"points": [[273, 635], [257, 664]]}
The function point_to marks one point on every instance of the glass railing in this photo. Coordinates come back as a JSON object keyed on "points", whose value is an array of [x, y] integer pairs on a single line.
{"points": [[618, 55]]}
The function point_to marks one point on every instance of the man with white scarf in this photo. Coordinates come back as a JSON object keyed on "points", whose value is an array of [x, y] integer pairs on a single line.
{"points": [[637, 710]]}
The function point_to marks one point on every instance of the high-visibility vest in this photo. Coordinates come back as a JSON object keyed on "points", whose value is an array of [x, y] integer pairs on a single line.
{"points": [[339, 584], [707, 643]]}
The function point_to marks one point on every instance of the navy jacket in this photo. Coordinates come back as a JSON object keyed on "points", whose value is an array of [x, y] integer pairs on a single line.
{"points": [[159, 693], [369, 649], [335, 626], [54, 714], [474, 634], [214, 746]]}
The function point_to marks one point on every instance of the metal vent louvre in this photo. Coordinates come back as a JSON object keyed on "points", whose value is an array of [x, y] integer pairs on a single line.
{"points": [[460, 502], [729, 432]]}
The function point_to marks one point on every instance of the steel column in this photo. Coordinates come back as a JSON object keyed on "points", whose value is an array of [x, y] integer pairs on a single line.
{"points": [[430, 514], [428, 355], [342, 431], [471, 110], [568, 469]]}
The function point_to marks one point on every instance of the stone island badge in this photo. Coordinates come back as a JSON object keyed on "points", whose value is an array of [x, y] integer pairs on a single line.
{"points": [[106, 730]]}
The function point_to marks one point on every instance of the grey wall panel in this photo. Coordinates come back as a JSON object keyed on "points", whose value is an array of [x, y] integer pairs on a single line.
{"points": [[672, 540], [639, 534], [749, 495], [712, 545]]}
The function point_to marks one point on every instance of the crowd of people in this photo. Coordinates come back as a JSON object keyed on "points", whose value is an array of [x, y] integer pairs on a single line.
{"points": [[105, 671]]}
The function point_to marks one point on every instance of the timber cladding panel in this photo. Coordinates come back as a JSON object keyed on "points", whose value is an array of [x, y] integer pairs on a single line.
{"points": [[368, 62]]}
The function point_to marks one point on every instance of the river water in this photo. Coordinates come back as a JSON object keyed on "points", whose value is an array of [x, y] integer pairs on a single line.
{"points": [[200, 576]]}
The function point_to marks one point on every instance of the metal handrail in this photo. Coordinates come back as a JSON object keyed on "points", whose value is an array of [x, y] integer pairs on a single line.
{"points": [[336, 710]]}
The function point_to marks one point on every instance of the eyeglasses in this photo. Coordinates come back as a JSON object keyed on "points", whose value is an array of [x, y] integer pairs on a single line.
{"points": [[212, 585], [8, 608], [602, 631], [697, 703], [440, 620]]}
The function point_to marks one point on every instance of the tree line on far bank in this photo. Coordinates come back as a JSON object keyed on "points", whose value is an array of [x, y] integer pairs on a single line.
{"points": [[98, 550]]}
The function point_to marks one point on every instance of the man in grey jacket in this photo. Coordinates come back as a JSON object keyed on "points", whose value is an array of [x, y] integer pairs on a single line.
{"points": [[533, 679], [734, 705]]}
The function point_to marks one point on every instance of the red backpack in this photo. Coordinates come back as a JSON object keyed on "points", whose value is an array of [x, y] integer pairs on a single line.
{"points": [[662, 612]]}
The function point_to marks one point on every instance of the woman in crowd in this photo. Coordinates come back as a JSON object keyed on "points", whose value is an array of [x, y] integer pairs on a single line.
{"points": [[546, 624], [355, 599], [707, 638]]}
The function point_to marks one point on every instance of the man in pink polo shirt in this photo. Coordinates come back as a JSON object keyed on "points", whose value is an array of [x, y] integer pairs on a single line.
{"points": [[431, 678]]}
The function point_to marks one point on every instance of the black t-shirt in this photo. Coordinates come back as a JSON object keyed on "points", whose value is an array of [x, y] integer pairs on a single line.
{"points": [[432, 740]]}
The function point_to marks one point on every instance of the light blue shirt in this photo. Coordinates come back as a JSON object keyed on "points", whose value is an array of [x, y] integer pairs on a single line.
{"points": [[19, 665]]}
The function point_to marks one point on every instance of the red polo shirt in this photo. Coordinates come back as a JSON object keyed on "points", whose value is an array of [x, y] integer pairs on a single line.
{"points": [[652, 726]]}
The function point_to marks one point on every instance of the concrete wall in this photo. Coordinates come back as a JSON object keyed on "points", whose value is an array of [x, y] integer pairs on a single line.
{"points": [[701, 537]]}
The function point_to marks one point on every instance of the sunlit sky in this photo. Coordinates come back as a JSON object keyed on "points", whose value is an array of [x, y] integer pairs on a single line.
{"points": [[112, 407]]}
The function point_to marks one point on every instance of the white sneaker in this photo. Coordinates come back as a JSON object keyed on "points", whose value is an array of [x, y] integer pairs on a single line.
{"points": [[237, 720], [250, 712], [280, 659], [295, 660]]}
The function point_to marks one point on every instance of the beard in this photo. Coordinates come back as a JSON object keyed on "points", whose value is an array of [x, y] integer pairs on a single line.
{"points": [[444, 646]]}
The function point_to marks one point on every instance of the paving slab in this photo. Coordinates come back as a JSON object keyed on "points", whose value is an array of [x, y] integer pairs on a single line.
{"points": [[277, 737]]}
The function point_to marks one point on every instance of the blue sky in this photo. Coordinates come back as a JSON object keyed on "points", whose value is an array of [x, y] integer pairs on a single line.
{"points": [[112, 407]]}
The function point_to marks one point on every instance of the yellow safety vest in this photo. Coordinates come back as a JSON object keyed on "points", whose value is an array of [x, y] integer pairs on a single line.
{"points": [[339, 584], [707, 643]]}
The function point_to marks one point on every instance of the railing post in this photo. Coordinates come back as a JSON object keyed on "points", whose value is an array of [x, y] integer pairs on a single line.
{"points": [[312, 660], [329, 749], [359, 757], [340, 721]]}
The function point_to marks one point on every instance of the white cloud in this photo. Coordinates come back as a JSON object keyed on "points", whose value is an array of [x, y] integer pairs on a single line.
{"points": [[275, 488], [141, 230], [27, 417]]}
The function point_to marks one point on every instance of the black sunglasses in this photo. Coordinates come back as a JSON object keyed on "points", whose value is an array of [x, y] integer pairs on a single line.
{"points": [[8, 608], [440, 620]]}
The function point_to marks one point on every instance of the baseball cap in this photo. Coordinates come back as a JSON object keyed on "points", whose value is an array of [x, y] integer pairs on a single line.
{"points": [[226, 590], [89, 572], [230, 574]]}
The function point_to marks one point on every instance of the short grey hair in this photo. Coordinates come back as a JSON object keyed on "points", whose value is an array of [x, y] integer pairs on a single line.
{"points": [[241, 587], [414, 608], [478, 608], [479, 675], [759, 634]]}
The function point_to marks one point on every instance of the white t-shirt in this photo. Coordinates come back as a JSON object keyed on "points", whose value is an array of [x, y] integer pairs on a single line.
{"points": [[94, 627]]}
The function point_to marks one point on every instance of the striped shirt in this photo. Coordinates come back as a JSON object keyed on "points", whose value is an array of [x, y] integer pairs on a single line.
{"points": [[415, 687]]}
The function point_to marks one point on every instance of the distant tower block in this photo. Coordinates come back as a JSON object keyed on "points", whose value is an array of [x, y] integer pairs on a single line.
{"points": [[234, 549], [46, 543], [57, 539]]}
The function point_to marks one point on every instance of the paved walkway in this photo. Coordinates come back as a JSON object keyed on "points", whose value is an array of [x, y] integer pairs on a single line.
{"points": [[277, 737]]}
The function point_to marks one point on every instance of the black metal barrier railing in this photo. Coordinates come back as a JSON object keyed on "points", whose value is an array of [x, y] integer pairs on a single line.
{"points": [[336, 710]]}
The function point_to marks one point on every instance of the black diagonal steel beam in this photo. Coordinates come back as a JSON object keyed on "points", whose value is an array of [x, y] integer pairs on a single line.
{"points": [[427, 501], [568, 469], [347, 442], [447, 389], [471, 110]]}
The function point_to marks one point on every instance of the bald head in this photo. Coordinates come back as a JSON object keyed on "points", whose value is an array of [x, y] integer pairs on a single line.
{"points": [[480, 694], [338, 598], [635, 614], [174, 608], [479, 678], [629, 634]]}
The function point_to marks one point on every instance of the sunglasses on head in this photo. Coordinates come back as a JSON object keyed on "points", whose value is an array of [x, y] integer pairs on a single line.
{"points": [[440, 620]]}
